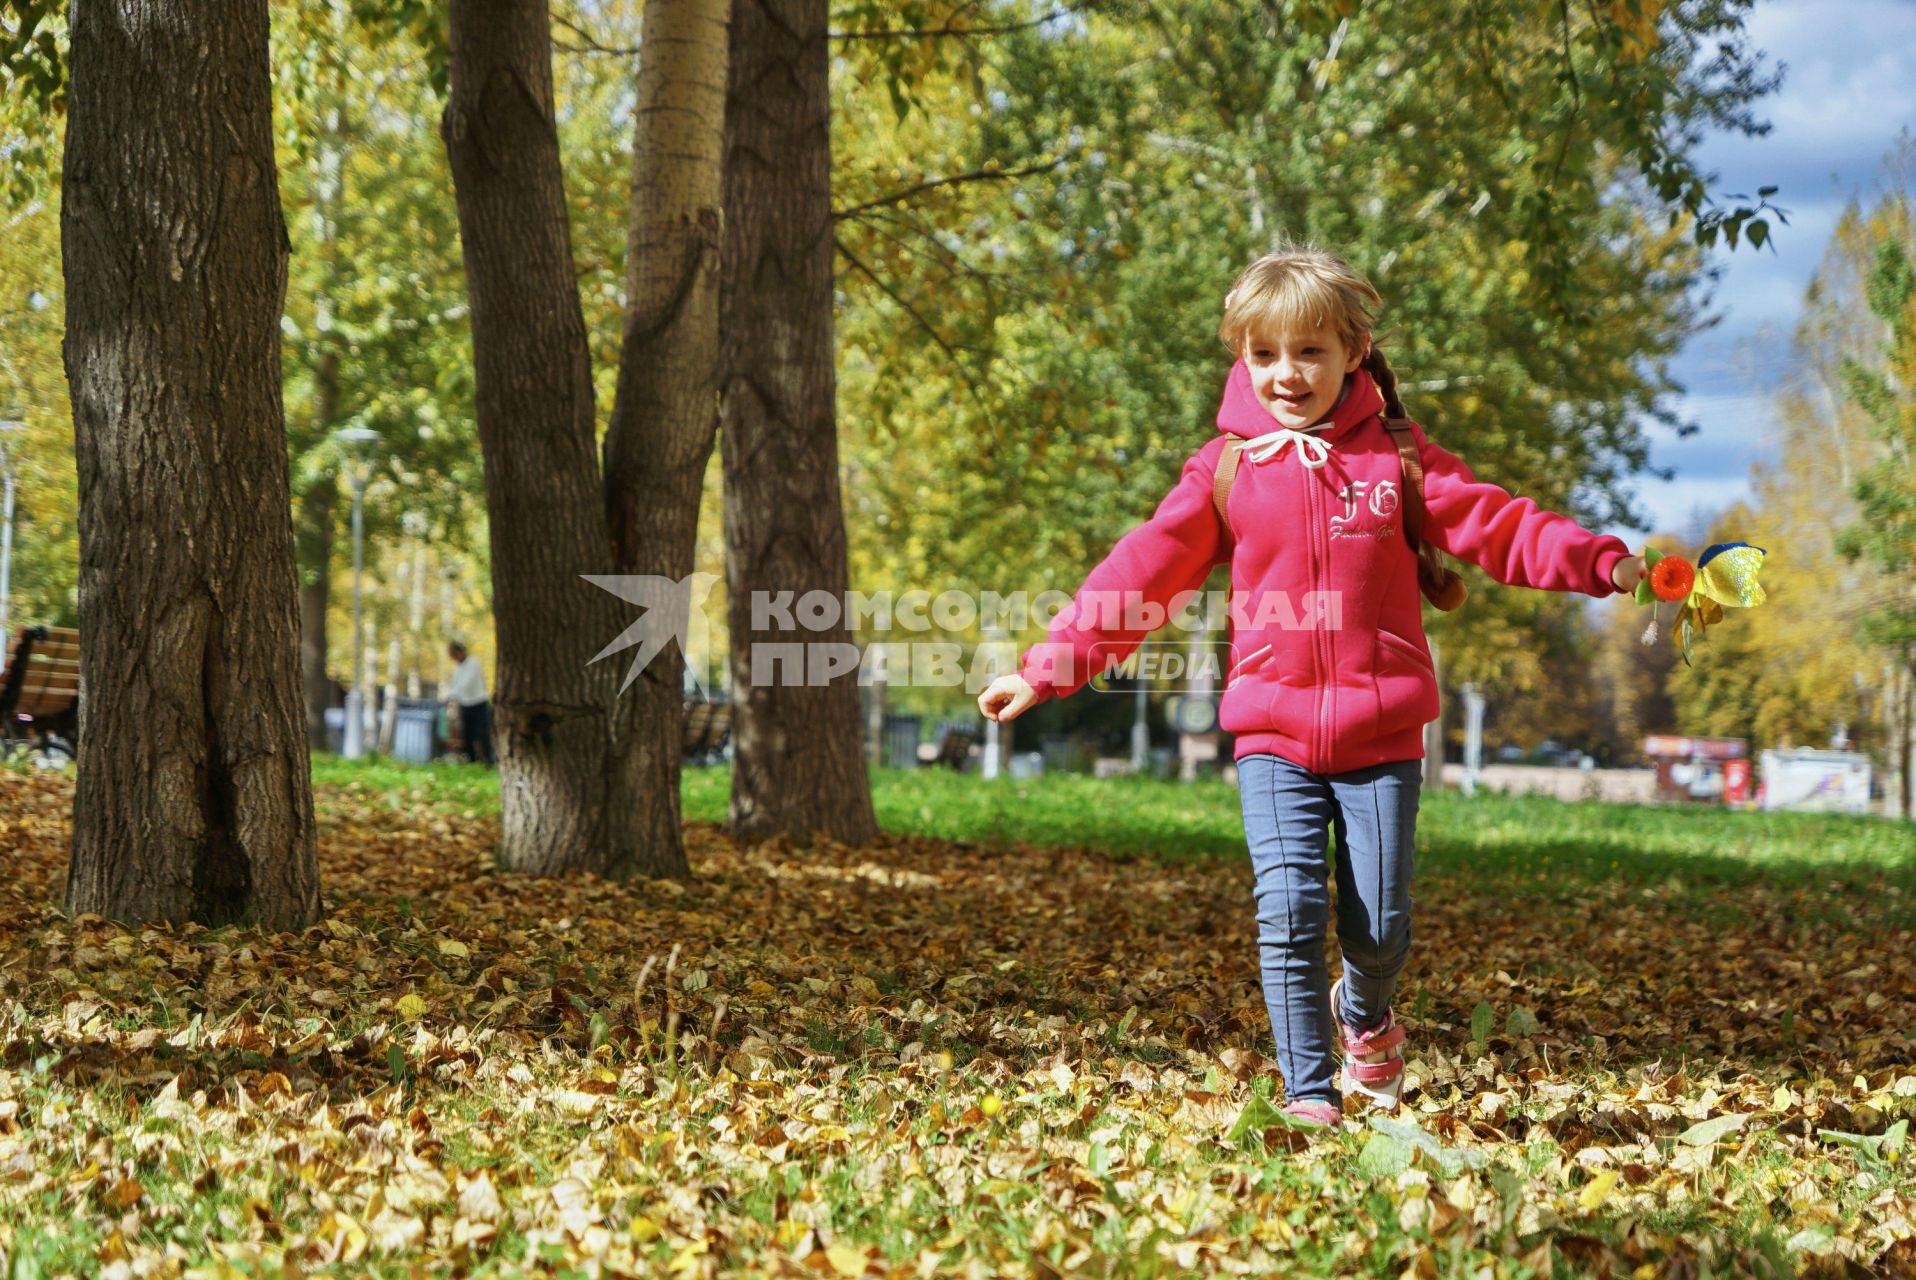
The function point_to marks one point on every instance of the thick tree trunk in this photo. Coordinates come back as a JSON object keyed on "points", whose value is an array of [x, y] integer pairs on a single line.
{"points": [[573, 793], [797, 760], [313, 538], [665, 415], [194, 801]]}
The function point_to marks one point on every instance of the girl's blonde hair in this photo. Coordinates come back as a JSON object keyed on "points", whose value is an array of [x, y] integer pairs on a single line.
{"points": [[1305, 287]]}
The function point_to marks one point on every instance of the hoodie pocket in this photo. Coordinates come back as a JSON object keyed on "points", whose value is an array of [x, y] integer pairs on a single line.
{"points": [[1406, 687], [1249, 663], [1401, 648]]}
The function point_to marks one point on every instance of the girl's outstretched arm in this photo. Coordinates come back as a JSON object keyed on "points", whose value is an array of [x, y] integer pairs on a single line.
{"points": [[1135, 588], [1513, 539]]}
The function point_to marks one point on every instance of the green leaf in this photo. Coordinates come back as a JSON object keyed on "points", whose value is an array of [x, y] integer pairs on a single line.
{"points": [[1257, 1116], [1759, 232], [1521, 1022], [1714, 1129], [1383, 1157], [1482, 1019], [1447, 1161]]}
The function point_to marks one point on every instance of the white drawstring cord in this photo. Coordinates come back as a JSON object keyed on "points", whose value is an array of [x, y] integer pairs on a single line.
{"points": [[1312, 450]]}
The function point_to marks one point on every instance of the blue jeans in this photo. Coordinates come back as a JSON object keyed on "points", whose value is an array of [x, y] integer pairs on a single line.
{"points": [[1372, 815]]}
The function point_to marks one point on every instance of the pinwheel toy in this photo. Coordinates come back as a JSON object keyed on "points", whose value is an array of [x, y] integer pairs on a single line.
{"points": [[1723, 576]]}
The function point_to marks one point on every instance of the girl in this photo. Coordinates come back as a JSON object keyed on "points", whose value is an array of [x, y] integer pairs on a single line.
{"points": [[1332, 682]]}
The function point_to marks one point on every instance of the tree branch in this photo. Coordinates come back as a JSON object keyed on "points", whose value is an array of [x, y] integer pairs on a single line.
{"points": [[957, 363], [934, 33], [590, 42], [982, 175]]}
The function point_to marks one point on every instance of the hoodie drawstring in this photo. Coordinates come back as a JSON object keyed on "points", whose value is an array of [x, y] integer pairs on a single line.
{"points": [[1312, 450]]}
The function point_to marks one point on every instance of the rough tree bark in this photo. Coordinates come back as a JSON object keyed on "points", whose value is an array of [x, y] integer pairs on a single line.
{"points": [[665, 414], [798, 761], [194, 801], [574, 796]]}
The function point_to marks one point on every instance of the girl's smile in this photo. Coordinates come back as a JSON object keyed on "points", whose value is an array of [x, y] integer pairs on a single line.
{"points": [[1299, 376]]}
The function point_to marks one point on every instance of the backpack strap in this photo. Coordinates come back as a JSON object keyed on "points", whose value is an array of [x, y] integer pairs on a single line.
{"points": [[1413, 466], [1442, 585], [1221, 484]]}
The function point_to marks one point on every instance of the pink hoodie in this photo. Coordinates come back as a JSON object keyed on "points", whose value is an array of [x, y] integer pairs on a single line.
{"points": [[1329, 665]]}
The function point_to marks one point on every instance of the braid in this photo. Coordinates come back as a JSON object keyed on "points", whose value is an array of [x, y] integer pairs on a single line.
{"points": [[1380, 371]]}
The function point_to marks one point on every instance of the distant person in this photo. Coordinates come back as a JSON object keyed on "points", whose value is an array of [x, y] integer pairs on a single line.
{"points": [[475, 709], [1338, 492]]}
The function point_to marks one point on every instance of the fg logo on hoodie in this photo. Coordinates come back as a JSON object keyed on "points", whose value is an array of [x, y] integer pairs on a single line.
{"points": [[1381, 499]]}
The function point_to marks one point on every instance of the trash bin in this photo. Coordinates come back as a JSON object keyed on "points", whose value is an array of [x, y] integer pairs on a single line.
{"points": [[413, 723], [1027, 764], [901, 741]]}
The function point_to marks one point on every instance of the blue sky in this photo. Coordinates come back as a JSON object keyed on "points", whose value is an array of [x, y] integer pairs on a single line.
{"points": [[1848, 91]]}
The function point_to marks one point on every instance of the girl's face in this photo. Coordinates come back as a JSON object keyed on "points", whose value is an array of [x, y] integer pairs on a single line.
{"points": [[1298, 376]]}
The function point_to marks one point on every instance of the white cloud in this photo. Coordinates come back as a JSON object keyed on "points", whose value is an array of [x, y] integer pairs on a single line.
{"points": [[1849, 90]]}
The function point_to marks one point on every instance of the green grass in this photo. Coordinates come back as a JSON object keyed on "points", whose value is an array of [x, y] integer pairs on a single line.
{"points": [[1525, 838]]}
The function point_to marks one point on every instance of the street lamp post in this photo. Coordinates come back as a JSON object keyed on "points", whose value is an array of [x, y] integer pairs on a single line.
{"points": [[6, 528], [996, 637], [356, 443]]}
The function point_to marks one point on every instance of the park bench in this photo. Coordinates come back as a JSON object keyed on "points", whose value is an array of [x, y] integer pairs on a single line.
{"points": [[708, 727], [40, 694], [955, 741]]}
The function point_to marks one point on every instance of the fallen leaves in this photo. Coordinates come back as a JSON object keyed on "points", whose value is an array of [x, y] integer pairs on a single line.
{"points": [[923, 1056]]}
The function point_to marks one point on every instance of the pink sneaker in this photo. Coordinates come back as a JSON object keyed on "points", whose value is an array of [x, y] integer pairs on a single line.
{"points": [[1373, 1060], [1315, 1111]]}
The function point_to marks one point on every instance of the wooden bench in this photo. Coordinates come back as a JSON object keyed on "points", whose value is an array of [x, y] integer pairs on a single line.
{"points": [[708, 727], [955, 741], [40, 690]]}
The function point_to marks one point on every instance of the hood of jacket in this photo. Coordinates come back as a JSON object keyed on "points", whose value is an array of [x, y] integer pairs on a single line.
{"points": [[1240, 414]]}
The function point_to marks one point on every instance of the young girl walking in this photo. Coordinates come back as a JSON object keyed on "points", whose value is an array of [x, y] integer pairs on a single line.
{"points": [[1331, 682]]}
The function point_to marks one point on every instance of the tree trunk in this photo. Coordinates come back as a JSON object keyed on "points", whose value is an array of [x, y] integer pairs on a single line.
{"points": [[1909, 736], [665, 414], [797, 760], [318, 513], [194, 800], [573, 793]]}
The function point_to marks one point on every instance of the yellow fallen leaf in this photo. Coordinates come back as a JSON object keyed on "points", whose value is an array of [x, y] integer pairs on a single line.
{"points": [[643, 1229], [410, 1006], [1597, 1192], [687, 1259], [846, 1259], [991, 1104], [451, 947]]}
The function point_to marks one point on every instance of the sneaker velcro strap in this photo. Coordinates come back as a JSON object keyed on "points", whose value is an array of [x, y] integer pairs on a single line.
{"points": [[1388, 1036], [1376, 1072], [1319, 1112]]}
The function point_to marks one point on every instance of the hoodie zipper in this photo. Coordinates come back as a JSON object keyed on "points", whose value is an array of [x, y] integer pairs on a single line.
{"points": [[1314, 515]]}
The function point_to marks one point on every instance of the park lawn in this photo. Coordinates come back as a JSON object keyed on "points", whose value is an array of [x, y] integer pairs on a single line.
{"points": [[1021, 1034]]}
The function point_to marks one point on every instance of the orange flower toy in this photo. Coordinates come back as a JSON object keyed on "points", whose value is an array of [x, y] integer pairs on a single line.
{"points": [[1724, 575]]}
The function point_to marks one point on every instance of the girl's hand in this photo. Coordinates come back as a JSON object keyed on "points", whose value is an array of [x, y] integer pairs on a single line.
{"points": [[1007, 698], [1627, 572]]}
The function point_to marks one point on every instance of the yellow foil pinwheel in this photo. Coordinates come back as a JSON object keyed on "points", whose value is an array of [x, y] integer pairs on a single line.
{"points": [[1724, 577]]}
